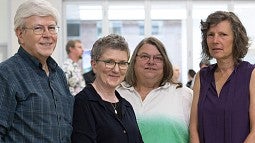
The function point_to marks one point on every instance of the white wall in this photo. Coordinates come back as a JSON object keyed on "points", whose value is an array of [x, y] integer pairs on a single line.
{"points": [[3, 23]]}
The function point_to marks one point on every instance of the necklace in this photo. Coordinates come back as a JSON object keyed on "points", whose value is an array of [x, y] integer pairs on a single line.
{"points": [[114, 105]]}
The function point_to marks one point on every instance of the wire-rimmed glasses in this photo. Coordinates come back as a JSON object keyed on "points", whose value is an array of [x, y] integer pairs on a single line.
{"points": [[147, 57], [40, 29]]}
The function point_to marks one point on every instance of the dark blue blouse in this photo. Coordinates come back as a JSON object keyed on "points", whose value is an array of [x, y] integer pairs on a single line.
{"points": [[95, 122]]}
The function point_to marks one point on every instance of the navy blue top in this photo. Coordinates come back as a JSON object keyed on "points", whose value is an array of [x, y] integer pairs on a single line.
{"points": [[224, 118], [94, 121], [34, 107]]}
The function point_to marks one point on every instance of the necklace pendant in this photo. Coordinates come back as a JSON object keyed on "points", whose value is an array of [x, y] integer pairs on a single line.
{"points": [[114, 105]]}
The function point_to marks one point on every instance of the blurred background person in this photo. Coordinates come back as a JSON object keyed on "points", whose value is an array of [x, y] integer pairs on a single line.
{"points": [[101, 115], [36, 105], [176, 73], [72, 68], [162, 106], [204, 63], [223, 110], [191, 75], [89, 77]]}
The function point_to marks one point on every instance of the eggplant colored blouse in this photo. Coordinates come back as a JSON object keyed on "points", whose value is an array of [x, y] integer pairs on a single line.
{"points": [[224, 118]]}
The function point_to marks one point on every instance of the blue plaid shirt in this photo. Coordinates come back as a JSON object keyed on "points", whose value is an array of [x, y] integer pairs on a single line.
{"points": [[34, 107]]}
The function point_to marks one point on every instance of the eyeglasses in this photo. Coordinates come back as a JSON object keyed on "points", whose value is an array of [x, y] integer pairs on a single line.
{"points": [[146, 58], [40, 29], [110, 64]]}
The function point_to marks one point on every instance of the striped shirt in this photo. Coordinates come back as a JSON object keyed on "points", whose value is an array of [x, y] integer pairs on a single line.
{"points": [[34, 107]]}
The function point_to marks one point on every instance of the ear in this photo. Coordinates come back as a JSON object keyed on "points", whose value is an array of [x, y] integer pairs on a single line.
{"points": [[93, 65], [70, 48], [19, 33]]}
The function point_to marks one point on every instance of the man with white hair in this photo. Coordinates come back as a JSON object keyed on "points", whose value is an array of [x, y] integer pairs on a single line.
{"points": [[35, 102]]}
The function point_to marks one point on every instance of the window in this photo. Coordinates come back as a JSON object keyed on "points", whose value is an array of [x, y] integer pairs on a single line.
{"points": [[175, 23], [73, 30], [200, 12], [246, 14]]}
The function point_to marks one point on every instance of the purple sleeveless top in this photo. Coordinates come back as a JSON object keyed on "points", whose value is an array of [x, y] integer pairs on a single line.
{"points": [[224, 119]]}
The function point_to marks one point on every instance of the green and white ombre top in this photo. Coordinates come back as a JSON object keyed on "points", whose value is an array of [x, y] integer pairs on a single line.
{"points": [[163, 116]]}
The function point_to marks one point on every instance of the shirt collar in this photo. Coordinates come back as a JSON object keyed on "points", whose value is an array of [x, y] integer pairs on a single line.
{"points": [[213, 67], [96, 97], [33, 61], [125, 85]]}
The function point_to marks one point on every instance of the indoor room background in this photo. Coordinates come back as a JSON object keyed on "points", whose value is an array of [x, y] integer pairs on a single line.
{"points": [[175, 23]]}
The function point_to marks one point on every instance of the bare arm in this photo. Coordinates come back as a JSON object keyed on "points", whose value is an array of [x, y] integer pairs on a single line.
{"points": [[194, 138], [251, 136]]}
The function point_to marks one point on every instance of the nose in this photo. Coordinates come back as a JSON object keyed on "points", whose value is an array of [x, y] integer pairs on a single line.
{"points": [[151, 60], [46, 32], [215, 38], [116, 68]]}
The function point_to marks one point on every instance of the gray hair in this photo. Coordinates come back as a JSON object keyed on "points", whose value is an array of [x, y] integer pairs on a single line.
{"points": [[34, 8], [112, 41]]}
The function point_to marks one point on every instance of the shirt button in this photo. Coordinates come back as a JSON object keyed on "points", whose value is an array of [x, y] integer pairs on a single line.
{"points": [[63, 139], [124, 131]]}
